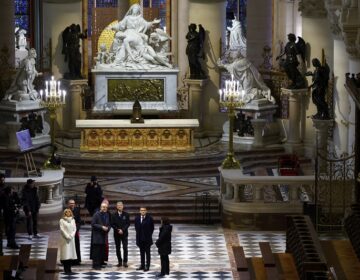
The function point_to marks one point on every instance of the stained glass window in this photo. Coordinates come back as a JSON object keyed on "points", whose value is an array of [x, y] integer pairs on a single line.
{"points": [[22, 14]]}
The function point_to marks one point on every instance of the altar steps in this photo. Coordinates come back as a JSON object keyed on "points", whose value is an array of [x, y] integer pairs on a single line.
{"points": [[168, 165], [178, 210]]}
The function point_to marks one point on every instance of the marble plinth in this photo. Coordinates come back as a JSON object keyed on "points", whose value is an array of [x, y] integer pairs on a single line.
{"points": [[10, 115], [266, 128], [168, 102]]}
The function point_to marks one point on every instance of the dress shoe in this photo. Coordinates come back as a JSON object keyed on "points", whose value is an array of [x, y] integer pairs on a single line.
{"points": [[97, 267], [159, 275], [125, 264], [119, 264], [37, 236], [146, 268], [140, 268], [104, 263]]}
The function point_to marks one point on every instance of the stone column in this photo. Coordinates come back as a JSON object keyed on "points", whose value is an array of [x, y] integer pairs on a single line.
{"points": [[322, 135], [295, 105], [182, 29], [259, 28], [73, 107], [258, 125], [341, 100], [196, 94], [7, 28], [212, 15]]}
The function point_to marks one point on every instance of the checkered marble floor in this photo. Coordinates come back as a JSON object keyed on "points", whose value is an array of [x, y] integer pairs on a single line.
{"points": [[250, 241], [38, 246], [195, 255]]}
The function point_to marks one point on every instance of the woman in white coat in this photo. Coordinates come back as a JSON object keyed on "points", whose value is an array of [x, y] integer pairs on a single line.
{"points": [[67, 240]]}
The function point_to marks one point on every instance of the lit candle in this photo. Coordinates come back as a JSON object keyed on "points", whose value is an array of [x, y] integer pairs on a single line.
{"points": [[165, 29]]}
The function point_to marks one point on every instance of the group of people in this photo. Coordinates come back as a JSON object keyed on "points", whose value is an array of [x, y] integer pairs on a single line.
{"points": [[101, 223], [10, 204]]}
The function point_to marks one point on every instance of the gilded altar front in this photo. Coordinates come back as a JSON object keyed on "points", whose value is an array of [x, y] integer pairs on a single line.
{"points": [[156, 136]]}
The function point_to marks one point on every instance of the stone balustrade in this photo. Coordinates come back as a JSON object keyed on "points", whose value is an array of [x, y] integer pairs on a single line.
{"points": [[243, 197], [49, 188]]}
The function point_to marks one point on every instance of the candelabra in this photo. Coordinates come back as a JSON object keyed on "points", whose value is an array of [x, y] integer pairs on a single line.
{"points": [[231, 97], [52, 99]]}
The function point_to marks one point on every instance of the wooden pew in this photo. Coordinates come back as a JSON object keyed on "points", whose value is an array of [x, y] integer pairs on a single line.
{"points": [[267, 254], [241, 262], [39, 265], [24, 254], [7, 264], [341, 256], [286, 266], [257, 269], [51, 264]]}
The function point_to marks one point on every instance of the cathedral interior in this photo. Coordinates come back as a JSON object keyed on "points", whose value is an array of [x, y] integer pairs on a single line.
{"points": [[235, 120]]}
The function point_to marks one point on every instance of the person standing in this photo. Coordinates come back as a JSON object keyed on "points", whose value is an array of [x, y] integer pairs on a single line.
{"points": [[120, 222], [93, 196], [144, 227], [11, 203], [67, 240], [100, 225], [76, 213], [164, 246], [31, 205]]}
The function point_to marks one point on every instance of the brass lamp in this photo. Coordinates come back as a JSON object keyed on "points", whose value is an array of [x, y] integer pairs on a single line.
{"points": [[136, 113], [231, 97]]}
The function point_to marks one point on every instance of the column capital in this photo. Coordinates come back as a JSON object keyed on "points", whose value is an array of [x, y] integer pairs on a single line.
{"points": [[195, 83], [312, 8]]}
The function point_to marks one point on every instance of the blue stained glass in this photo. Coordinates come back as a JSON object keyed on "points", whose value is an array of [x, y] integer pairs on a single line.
{"points": [[106, 3], [22, 21], [21, 7]]}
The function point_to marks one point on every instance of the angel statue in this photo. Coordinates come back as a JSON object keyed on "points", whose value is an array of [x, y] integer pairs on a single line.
{"points": [[320, 81], [71, 49], [295, 57], [22, 87], [195, 50], [236, 39]]}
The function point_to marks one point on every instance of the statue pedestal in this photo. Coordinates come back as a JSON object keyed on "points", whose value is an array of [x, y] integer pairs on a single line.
{"points": [[259, 128], [73, 109], [195, 103], [11, 113], [294, 141], [322, 133]]}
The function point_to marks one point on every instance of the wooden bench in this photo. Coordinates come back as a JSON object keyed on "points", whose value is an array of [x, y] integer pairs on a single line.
{"points": [[240, 259], [51, 264], [286, 266], [267, 254], [39, 265], [24, 254], [257, 270]]}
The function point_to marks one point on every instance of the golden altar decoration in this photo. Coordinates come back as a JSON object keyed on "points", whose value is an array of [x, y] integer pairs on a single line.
{"points": [[172, 135]]}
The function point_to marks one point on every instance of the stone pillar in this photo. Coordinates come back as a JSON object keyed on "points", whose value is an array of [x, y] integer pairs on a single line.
{"points": [[258, 125], [341, 100], [12, 128], [322, 134], [259, 28], [182, 29], [73, 107], [7, 28], [196, 103], [212, 15], [295, 105]]}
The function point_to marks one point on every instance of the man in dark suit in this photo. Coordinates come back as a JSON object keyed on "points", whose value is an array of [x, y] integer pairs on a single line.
{"points": [[76, 212], [144, 226], [93, 196], [120, 222], [31, 205], [100, 225]]}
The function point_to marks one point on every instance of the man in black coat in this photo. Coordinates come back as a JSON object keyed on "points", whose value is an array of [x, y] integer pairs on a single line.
{"points": [[93, 196], [100, 225], [76, 212], [144, 226], [11, 204], [31, 205], [164, 246], [120, 222]]}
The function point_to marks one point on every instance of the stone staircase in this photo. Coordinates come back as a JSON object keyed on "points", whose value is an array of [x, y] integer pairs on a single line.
{"points": [[179, 210]]}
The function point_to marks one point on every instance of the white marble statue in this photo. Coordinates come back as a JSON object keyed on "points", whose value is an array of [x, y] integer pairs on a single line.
{"points": [[133, 47], [21, 42], [22, 87], [237, 40], [248, 76]]}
